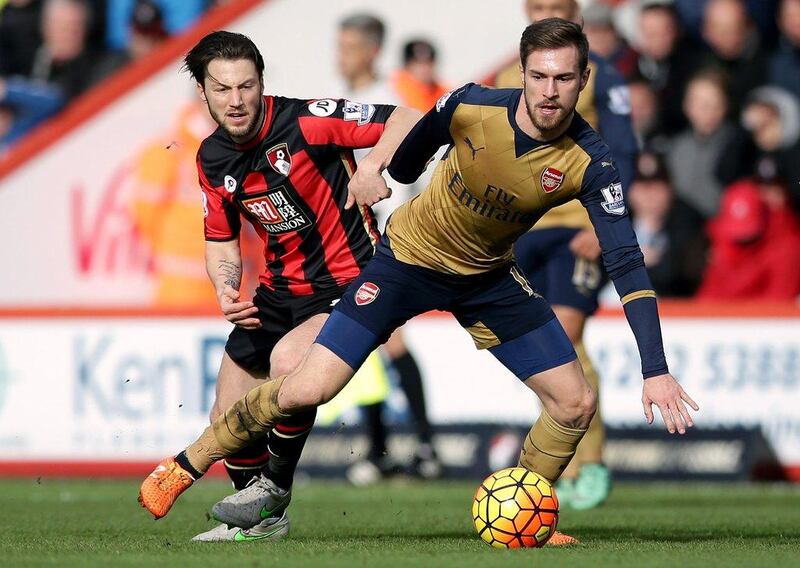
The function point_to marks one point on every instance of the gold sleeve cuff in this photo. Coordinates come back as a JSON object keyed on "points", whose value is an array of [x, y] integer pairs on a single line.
{"points": [[637, 295]]}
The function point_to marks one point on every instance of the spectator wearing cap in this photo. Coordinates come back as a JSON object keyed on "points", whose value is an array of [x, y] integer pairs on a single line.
{"points": [[669, 232], [770, 129], [147, 32], [178, 15], [735, 48], [415, 83], [755, 242], [604, 40], [694, 155], [147, 29]]}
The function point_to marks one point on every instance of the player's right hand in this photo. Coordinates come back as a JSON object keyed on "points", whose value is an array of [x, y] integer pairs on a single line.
{"points": [[366, 187], [239, 313], [669, 396]]}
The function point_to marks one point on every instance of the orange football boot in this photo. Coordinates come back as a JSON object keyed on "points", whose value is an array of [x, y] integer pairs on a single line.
{"points": [[561, 539], [162, 487]]}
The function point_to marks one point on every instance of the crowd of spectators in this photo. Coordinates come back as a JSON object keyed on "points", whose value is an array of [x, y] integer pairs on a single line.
{"points": [[51, 51], [715, 104], [715, 99]]}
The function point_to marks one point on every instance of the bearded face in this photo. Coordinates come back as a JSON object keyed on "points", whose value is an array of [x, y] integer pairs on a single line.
{"points": [[552, 81], [232, 91]]}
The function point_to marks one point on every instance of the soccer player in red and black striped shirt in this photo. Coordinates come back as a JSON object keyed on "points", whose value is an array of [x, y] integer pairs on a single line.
{"points": [[285, 165]]}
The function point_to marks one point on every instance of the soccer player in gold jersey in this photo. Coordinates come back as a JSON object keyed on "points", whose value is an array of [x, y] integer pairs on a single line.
{"points": [[560, 255]]}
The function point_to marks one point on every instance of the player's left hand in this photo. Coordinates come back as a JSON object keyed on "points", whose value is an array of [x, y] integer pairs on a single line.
{"points": [[585, 245], [665, 392], [367, 186]]}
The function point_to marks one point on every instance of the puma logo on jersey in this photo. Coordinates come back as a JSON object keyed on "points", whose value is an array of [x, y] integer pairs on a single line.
{"points": [[473, 148]]}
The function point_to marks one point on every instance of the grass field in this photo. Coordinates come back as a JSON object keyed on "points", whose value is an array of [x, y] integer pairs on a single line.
{"points": [[99, 523]]}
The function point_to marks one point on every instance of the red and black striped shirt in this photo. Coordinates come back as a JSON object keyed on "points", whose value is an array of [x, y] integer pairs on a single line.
{"points": [[290, 182]]}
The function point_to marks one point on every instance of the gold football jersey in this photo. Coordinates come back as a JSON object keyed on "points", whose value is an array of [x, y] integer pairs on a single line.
{"points": [[494, 183], [571, 214]]}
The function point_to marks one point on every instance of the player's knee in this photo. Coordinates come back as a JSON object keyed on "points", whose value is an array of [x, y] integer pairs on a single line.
{"points": [[283, 361], [577, 411]]}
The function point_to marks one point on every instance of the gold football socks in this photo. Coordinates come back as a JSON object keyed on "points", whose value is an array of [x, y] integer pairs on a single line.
{"points": [[248, 419], [549, 447]]}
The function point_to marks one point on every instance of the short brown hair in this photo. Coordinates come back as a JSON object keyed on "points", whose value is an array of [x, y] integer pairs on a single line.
{"points": [[222, 45], [553, 33]]}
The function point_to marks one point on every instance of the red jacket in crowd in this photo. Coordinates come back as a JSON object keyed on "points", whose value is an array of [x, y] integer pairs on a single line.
{"points": [[755, 246]]}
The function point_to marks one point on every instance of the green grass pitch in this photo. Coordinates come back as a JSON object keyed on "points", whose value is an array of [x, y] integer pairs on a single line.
{"points": [[98, 523]]}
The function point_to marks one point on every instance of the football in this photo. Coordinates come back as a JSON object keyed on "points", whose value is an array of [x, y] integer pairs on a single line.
{"points": [[515, 508]]}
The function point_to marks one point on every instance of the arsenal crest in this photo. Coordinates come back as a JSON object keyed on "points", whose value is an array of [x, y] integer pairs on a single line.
{"points": [[551, 179], [280, 159], [366, 294]]}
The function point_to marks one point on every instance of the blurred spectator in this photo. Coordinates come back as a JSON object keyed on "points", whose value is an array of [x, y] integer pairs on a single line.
{"points": [[692, 12], [735, 48], [670, 232], [645, 115], [360, 43], [694, 154], [147, 33], [23, 105], [64, 59], [147, 29], [20, 36], [784, 65], [606, 42], [771, 121], [178, 15], [415, 83], [666, 60], [755, 242]]}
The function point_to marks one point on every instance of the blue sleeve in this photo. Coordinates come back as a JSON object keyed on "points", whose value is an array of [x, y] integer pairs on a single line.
{"points": [[180, 14], [601, 194], [612, 99], [32, 103], [428, 135]]}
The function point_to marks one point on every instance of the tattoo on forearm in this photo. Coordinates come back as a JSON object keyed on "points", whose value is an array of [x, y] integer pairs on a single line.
{"points": [[232, 272]]}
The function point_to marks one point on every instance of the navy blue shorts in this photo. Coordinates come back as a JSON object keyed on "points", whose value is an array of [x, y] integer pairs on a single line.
{"points": [[499, 309], [561, 277]]}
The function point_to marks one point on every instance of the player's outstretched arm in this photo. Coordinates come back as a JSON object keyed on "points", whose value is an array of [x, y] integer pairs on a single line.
{"points": [[670, 398], [367, 185], [604, 200]]}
